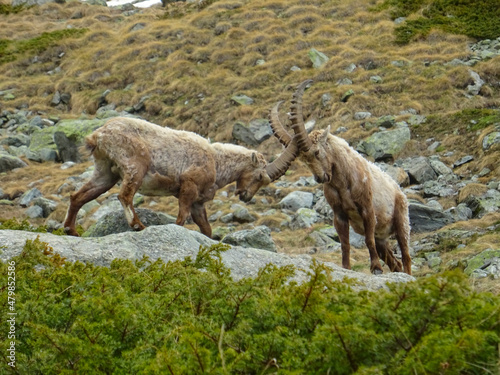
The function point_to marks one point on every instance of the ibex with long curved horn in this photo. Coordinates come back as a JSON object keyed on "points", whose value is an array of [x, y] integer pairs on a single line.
{"points": [[359, 192], [159, 161]]}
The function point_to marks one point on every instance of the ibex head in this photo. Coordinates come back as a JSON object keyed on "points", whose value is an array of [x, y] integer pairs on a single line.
{"points": [[312, 147], [261, 174]]}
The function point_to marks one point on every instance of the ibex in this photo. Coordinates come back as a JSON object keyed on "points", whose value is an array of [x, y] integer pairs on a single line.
{"points": [[358, 191], [159, 161]]}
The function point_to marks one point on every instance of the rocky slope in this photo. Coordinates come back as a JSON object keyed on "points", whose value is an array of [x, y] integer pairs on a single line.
{"points": [[298, 208], [170, 243]]}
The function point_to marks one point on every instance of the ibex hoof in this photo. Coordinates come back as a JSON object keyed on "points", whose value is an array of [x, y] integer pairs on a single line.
{"points": [[71, 232], [377, 271]]}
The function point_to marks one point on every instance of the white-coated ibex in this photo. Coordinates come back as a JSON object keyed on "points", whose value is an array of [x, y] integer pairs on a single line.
{"points": [[358, 191], [158, 161]]}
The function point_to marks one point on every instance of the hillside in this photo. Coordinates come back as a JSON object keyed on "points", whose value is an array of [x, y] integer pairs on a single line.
{"points": [[377, 67]]}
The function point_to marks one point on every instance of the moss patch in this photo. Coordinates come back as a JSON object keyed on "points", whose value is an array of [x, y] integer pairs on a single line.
{"points": [[480, 260], [75, 130], [453, 16], [10, 50]]}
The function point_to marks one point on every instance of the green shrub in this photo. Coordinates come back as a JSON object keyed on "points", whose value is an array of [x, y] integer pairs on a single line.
{"points": [[9, 9], [191, 317], [10, 50], [14, 224], [467, 120], [475, 18]]}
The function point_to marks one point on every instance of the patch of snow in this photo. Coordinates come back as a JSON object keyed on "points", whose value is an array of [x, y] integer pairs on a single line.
{"points": [[138, 4]]}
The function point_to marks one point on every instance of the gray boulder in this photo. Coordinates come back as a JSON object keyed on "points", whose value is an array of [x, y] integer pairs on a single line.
{"points": [[254, 133], [171, 243], [484, 264], [385, 122], [419, 169], [323, 208], [242, 100], [355, 240], [478, 83], [346, 95], [439, 188], [463, 160], [115, 222], [490, 140], [326, 100], [461, 212], [112, 204], [66, 148], [305, 181], [385, 144], [424, 218], [34, 212], [439, 167], [18, 151], [362, 115], [258, 238], [29, 3], [41, 155], [344, 82], [75, 130], [29, 196], [242, 215], [47, 205], [9, 162], [323, 242], [297, 199], [417, 120], [304, 218], [317, 58], [398, 174], [16, 140], [486, 203]]}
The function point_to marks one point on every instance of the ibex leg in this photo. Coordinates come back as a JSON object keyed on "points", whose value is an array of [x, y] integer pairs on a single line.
{"points": [[402, 232], [99, 184], [199, 215], [385, 253], [341, 225], [369, 226], [132, 181], [187, 196]]}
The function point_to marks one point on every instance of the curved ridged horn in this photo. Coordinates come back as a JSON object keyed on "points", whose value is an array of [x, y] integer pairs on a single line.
{"points": [[278, 129], [278, 167], [297, 118]]}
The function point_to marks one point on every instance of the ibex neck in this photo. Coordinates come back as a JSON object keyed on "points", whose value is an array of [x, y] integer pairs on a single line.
{"points": [[231, 162]]}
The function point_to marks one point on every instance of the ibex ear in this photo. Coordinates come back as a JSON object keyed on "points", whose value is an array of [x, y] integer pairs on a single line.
{"points": [[255, 160], [324, 136]]}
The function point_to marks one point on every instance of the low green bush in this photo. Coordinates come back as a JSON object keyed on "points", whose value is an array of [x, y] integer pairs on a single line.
{"points": [[14, 224], [191, 317], [475, 18], [10, 50], [10, 9]]}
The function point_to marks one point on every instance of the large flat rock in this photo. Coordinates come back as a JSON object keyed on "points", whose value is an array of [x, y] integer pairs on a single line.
{"points": [[172, 242]]}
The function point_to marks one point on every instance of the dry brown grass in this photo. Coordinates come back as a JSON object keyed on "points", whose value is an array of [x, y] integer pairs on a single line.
{"points": [[229, 37], [472, 189], [470, 225], [51, 177]]}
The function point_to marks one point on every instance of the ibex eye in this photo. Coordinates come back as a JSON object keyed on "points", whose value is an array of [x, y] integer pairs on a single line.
{"points": [[316, 153]]}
